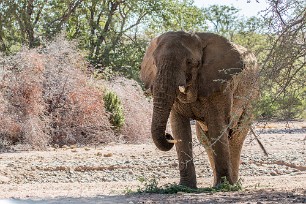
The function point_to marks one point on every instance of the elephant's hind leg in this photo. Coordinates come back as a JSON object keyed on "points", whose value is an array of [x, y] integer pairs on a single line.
{"points": [[182, 131]]}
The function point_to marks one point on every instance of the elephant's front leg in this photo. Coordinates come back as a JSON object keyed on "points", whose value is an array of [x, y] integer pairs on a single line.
{"points": [[182, 132], [218, 132], [218, 108], [221, 152]]}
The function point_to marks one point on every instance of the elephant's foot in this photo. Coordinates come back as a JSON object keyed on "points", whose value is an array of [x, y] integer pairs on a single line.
{"points": [[189, 183], [235, 178], [188, 175], [222, 179]]}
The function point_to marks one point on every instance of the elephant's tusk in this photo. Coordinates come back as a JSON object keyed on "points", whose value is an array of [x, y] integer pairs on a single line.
{"points": [[182, 89], [174, 141]]}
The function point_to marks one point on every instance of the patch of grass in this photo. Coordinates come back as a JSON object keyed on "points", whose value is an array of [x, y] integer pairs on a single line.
{"points": [[151, 186]]}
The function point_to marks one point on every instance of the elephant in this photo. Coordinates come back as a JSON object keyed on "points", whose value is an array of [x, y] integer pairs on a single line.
{"points": [[203, 77]]}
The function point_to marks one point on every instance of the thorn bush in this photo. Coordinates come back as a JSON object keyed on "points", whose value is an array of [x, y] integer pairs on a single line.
{"points": [[46, 99]]}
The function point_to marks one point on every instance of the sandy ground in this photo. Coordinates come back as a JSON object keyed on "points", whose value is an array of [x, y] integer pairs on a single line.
{"points": [[103, 174]]}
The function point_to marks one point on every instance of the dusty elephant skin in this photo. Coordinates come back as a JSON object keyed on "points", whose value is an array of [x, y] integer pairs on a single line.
{"points": [[201, 76]]}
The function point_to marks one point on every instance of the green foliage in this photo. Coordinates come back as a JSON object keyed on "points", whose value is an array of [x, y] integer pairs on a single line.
{"points": [[222, 19], [29, 22], [225, 186], [151, 186], [114, 107], [288, 104], [176, 15], [106, 74], [110, 32]]}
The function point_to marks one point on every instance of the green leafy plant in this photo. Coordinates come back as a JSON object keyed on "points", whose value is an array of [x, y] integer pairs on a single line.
{"points": [[225, 186], [151, 186], [114, 107]]}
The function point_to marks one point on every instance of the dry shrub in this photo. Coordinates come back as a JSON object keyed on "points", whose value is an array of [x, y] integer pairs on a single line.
{"points": [[137, 109], [46, 98], [81, 119], [75, 105], [22, 113]]}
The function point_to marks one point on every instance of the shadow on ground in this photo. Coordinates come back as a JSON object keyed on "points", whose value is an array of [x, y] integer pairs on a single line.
{"points": [[236, 197]]}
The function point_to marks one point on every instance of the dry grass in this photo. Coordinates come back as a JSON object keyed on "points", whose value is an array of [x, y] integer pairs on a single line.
{"points": [[46, 98]]}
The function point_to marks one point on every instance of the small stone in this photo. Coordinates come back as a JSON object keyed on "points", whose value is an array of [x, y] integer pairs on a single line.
{"points": [[273, 173], [73, 146], [108, 155]]}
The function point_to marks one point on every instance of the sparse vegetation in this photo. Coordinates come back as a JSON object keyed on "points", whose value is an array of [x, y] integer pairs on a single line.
{"points": [[151, 186]]}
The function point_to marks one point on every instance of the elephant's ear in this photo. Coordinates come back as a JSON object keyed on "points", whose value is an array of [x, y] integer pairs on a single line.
{"points": [[220, 61], [148, 68]]}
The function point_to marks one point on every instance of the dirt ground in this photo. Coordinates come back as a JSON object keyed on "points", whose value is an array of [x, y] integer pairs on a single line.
{"points": [[103, 174]]}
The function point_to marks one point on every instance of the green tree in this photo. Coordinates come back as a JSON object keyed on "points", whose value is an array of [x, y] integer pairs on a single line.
{"points": [[176, 15], [283, 69], [222, 20], [110, 30], [26, 22]]}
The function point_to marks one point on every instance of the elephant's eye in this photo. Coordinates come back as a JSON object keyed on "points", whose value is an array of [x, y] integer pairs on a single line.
{"points": [[189, 61], [193, 62]]}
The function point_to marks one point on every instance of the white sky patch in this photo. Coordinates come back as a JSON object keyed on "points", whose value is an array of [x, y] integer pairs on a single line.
{"points": [[246, 9]]}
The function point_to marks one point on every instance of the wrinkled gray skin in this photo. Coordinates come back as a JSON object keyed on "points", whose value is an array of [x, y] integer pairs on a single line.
{"points": [[204, 77]]}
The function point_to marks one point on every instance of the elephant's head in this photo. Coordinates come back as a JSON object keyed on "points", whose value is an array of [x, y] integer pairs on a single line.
{"points": [[184, 66]]}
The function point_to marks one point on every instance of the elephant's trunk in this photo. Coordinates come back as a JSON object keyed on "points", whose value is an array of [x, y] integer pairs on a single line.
{"points": [[164, 94]]}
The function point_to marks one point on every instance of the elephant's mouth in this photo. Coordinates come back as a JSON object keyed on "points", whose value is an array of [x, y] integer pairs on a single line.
{"points": [[184, 88], [187, 93]]}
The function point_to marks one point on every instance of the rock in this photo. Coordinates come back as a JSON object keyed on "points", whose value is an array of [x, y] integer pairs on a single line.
{"points": [[273, 173], [65, 147], [108, 155]]}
